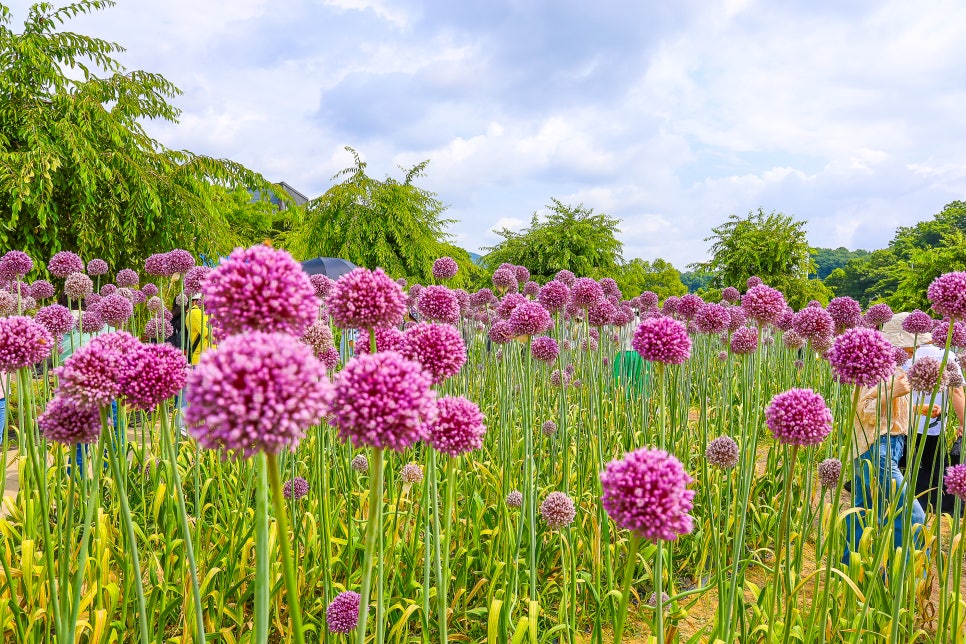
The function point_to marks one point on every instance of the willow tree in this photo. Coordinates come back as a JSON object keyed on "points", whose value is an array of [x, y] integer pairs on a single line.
{"points": [[78, 170], [391, 224]]}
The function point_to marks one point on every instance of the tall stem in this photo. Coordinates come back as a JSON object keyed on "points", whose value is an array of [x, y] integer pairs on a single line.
{"points": [[288, 567], [375, 498], [262, 571], [626, 591]]}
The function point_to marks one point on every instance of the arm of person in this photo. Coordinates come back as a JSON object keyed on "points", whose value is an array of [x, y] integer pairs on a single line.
{"points": [[959, 406]]}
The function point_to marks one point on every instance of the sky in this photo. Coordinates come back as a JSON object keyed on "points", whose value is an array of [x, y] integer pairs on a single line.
{"points": [[669, 115]]}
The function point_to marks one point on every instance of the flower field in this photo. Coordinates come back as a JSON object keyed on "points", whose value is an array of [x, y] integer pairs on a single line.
{"points": [[525, 463]]}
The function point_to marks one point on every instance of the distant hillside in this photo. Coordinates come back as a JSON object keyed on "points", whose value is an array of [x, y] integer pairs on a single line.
{"points": [[476, 257]]}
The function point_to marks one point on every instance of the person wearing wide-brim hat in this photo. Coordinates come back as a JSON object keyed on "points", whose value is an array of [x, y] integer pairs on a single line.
{"points": [[930, 422]]}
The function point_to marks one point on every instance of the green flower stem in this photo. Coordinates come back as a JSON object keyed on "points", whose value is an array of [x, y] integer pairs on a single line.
{"points": [[443, 581], [375, 499], [291, 582], [626, 591], [262, 571], [430, 472], [658, 592]]}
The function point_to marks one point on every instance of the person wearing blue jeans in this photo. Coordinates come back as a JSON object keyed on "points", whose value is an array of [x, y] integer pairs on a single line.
{"points": [[881, 424]]}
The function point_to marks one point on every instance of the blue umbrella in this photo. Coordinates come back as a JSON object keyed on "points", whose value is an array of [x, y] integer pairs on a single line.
{"points": [[331, 267]]}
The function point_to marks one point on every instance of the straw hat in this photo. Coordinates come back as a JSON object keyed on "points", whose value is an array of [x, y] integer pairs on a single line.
{"points": [[894, 333]]}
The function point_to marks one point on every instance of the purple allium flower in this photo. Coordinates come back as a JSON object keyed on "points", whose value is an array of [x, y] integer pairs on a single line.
{"points": [[8, 303], [901, 357], [260, 288], [505, 279], [609, 286], [127, 277], [822, 344], [78, 286], [662, 339], [812, 322], [723, 356], [365, 299], [65, 421], [652, 601], [731, 295], [157, 265], [482, 298], [458, 428], [42, 290], [799, 417], [155, 305], [956, 480], [64, 263], [158, 328], [108, 289], [92, 375], [529, 318], [566, 277], [940, 331], [445, 268], [846, 313], [178, 261], [600, 313], [463, 298], [947, 293], [531, 289], [437, 348], [319, 336], [792, 340], [411, 473], [15, 263], [712, 318], [330, 358], [744, 340], [954, 376], [924, 374], [671, 305], [115, 310], [522, 274], [736, 317], [590, 344], [23, 343], [97, 267], [295, 488], [56, 319], [544, 349], [753, 281], [382, 400], [388, 338], [360, 463], [195, 278], [549, 428], [91, 321], [28, 303], [152, 374], [763, 304], [509, 302], [558, 510], [646, 493], [829, 472], [501, 332], [514, 499], [648, 300], [92, 301], [722, 453], [126, 293], [439, 304], [689, 306], [322, 284], [558, 380], [585, 292], [342, 615], [917, 323], [785, 320], [878, 314], [256, 392], [862, 357]]}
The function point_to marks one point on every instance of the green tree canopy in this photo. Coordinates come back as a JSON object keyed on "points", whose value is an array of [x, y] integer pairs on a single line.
{"points": [[659, 276], [77, 169], [774, 247], [569, 237], [828, 259], [392, 224]]}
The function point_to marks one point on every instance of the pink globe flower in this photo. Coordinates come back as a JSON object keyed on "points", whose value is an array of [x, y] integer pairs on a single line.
{"points": [[879, 314], [549, 428], [744, 341], [157, 265], [648, 300], [382, 400], [566, 277], [862, 356], [947, 294], [330, 358], [322, 284], [56, 319], [529, 318], [257, 392], [97, 267], [342, 615], [388, 338], [42, 290], [115, 310], [689, 306], [753, 281], [360, 463], [194, 278], [585, 292], [438, 348], [609, 286], [917, 323], [23, 343], [501, 332], [799, 417], [439, 304], [464, 300], [8, 303], [956, 481], [601, 313], [662, 339], [736, 318], [722, 453], [846, 313], [14, 264], [67, 422], [792, 340], [411, 473], [671, 305], [77, 286], [623, 316], [785, 320], [829, 472], [261, 289], [178, 261], [92, 375], [558, 510], [505, 279], [152, 374], [158, 328], [731, 295], [509, 302], [295, 488], [940, 332], [445, 268], [646, 493], [763, 304], [712, 318], [365, 299], [812, 322], [531, 289], [126, 277], [514, 499], [64, 263], [458, 427], [925, 375], [319, 337], [522, 274], [544, 349], [482, 298]]}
